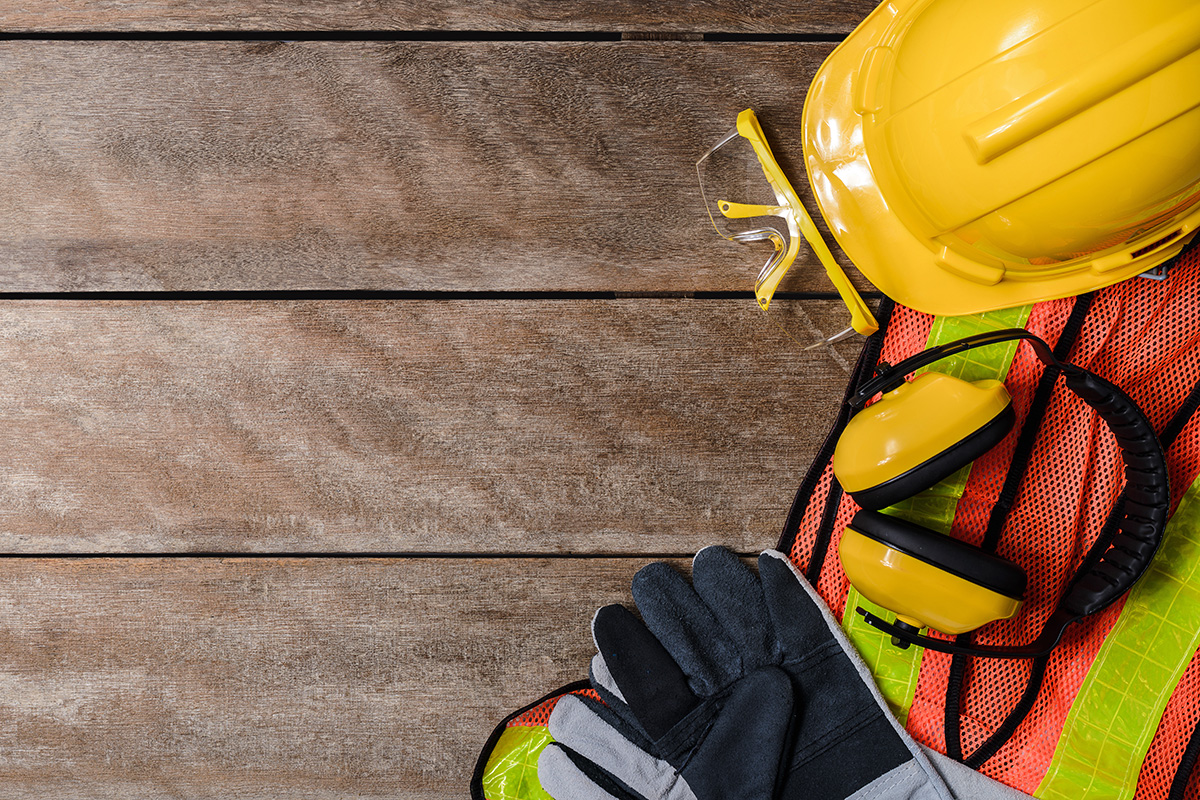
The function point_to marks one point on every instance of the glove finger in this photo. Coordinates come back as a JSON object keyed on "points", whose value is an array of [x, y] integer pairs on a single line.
{"points": [[736, 598], [574, 724], [848, 739], [613, 703], [799, 625], [563, 779], [648, 679], [687, 628], [602, 680], [619, 718], [744, 752]]}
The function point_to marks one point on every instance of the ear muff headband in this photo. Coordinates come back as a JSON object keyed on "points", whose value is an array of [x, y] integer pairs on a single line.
{"points": [[891, 377], [1144, 502]]}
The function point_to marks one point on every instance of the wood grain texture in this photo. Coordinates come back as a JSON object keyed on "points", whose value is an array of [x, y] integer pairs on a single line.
{"points": [[263, 678], [395, 166], [438, 427], [415, 426], [824, 16]]}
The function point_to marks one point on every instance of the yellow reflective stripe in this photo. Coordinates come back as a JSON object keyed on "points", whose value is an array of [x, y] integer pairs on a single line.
{"points": [[896, 670], [511, 772], [1113, 719]]}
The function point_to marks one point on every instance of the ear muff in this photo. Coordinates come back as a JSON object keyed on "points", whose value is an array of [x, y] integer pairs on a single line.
{"points": [[926, 578], [918, 434], [931, 580]]}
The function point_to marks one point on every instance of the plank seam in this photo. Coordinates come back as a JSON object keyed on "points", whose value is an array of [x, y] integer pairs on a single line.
{"points": [[406, 294], [284, 37], [343, 556]]}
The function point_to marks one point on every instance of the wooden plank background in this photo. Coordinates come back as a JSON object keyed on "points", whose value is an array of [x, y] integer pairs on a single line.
{"points": [[479, 166], [399, 16], [345, 372]]}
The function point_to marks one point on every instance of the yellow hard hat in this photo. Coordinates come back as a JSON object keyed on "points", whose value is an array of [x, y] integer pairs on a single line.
{"points": [[970, 155]]}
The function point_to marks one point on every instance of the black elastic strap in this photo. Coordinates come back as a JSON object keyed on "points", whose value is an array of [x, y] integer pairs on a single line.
{"points": [[1186, 765], [1182, 417], [1007, 728], [816, 559], [1039, 405], [1033, 423], [863, 369], [952, 722]]}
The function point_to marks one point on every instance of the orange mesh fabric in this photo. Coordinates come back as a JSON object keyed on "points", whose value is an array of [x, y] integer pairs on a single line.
{"points": [[540, 714]]}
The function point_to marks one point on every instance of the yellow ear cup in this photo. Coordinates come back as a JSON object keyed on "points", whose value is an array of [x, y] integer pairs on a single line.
{"points": [[927, 579], [917, 434]]}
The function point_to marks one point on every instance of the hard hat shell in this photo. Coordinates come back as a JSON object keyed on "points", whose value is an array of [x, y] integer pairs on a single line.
{"points": [[970, 155]]}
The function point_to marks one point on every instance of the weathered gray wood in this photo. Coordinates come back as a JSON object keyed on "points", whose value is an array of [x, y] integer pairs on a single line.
{"points": [[473, 426], [823, 16], [428, 166], [265, 678], [414, 426]]}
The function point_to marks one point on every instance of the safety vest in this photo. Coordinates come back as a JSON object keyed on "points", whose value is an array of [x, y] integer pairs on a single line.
{"points": [[1114, 711]]}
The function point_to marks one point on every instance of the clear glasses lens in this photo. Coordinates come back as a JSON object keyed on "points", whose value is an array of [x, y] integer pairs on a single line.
{"points": [[743, 208], [740, 203]]}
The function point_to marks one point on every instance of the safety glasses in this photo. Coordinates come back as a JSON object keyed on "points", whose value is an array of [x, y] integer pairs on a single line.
{"points": [[728, 170]]}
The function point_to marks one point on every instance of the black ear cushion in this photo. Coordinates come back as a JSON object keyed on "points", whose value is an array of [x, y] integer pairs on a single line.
{"points": [[941, 466], [958, 558]]}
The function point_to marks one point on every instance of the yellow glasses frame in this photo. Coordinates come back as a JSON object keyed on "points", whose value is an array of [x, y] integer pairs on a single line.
{"points": [[800, 224]]}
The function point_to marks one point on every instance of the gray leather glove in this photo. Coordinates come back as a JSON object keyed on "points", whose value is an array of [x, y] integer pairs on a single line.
{"points": [[736, 686]]}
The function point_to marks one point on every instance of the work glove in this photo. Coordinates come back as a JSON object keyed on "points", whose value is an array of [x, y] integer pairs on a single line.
{"points": [[718, 730], [733, 686]]}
